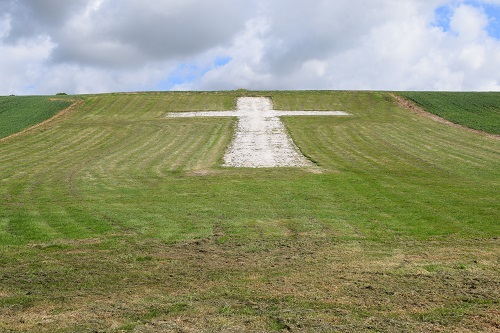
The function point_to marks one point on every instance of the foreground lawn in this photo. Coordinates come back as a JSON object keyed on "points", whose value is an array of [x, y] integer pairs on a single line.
{"points": [[118, 219]]}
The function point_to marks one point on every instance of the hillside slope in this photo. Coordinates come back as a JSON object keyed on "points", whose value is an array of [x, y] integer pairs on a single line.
{"points": [[116, 218]]}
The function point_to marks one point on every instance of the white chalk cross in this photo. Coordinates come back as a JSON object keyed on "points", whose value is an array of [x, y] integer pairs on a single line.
{"points": [[261, 140]]}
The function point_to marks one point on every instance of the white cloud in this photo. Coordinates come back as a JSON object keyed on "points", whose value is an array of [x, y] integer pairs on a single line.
{"points": [[396, 49], [469, 23], [22, 65], [110, 45]]}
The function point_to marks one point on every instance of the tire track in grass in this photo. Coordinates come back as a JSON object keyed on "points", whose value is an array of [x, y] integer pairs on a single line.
{"points": [[60, 224], [30, 224], [379, 141], [361, 147], [148, 148], [458, 145], [401, 159], [180, 139], [106, 106]]}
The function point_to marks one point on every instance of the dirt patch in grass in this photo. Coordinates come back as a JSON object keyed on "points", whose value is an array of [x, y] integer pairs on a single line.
{"points": [[294, 284]]}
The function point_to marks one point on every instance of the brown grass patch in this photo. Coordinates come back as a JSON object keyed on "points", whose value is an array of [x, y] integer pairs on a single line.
{"points": [[297, 283]]}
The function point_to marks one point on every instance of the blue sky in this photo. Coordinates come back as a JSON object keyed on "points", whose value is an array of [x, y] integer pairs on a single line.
{"points": [[92, 46], [186, 73], [443, 16], [493, 12]]}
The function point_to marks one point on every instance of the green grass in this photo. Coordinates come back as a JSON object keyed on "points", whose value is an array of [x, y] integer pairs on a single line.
{"points": [[480, 111], [126, 218], [18, 113]]}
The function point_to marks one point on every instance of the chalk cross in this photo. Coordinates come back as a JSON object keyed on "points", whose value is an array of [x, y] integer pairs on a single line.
{"points": [[261, 140]]}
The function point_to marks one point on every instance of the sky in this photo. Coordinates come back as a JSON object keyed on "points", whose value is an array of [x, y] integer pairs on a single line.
{"points": [[97, 46]]}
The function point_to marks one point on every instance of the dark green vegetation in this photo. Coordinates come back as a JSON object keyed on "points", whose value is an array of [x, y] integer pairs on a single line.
{"points": [[480, 111], [18, 113], [115, 219]]}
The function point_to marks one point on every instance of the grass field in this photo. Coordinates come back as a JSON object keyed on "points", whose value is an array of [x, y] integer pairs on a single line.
{"points": [[480, 111], [18, 113], [117, 219]]}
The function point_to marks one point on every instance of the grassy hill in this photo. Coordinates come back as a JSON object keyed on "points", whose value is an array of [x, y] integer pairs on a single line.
{"points": [[116, 218]]}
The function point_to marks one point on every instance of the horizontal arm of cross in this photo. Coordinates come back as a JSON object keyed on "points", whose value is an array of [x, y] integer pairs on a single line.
{"points": [[203, 114], [269, 113], [311, 113]]}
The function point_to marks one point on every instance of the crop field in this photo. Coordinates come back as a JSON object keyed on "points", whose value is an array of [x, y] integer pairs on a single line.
{"points": [[18, 113], [480, 111], [115, 218]]}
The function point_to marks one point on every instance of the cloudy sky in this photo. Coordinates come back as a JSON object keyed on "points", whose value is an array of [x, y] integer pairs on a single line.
{"points": [[91, 46]]}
